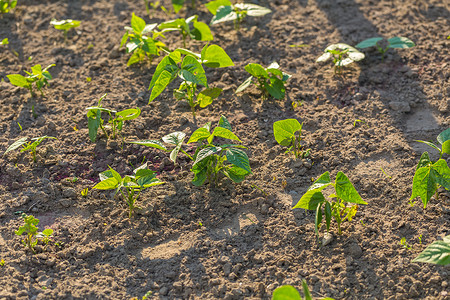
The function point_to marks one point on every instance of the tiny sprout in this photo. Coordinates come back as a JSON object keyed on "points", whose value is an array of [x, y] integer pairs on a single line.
{"points": [[32, 234], [395, 42], [84, 192], [38, 75], [405, 244], [88, 79], [7, 5], [65, 25], [2, 262], [4, 42], [28, 145], [342, 55]]}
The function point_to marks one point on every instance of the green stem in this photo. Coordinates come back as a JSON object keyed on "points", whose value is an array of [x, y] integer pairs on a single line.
{"points": [[186, 154], [193, 4]]}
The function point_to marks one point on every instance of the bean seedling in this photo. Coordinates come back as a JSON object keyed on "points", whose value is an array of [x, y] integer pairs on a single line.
{"points": [[395, 42], [429, 175], [270, 80], [138, 43], [190, 70], [4, 42], [224, 11], [341, 55], [28, 145], [65, 25], [437, 253], [209, 158], [32, 234], [7, 5], [38, 76], [133, 185], [288, 292], [285, 134], [336, 205], [199, 32], [95, 120]]}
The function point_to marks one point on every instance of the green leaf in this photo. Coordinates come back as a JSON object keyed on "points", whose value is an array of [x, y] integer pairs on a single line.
{"points": [[177, 5], [446, 147], [369, 43], [128, 114], [167, 63], [223, 122], [238, 158], [175, 138], [286, 292], [256, 70], [107, 184], [244, 85], [212, 6], [310, 200], [37, 70], [322, 182], [306, 291], [205, 153], [192, 71], [150, 143], [200, 171], [124, 39], [47, 232], [235, 173], [444, 136], [224, 14], [437, 252], [16, 144], [163, 81], [137, 24], [201, 32], [346, 191], [94, 120], [18, 80], [442, 173], [328, 214], [216, 57], [400, 42], [64, 24], [424, 160], [430, 144], [285, 130], [253, 9], [4, 42], [115, 174], [207, 96], [276, 89], [198, 135], [223, 133], [318, 219]]}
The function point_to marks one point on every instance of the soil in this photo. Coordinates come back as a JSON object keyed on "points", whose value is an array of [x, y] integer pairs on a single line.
{"points": [[232, 241]]}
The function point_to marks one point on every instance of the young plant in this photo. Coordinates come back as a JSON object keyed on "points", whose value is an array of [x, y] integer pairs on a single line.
{"points": [[65, 25], [210, 159], [395, 42], [4, 42], [430, 175], [224, 11], [199, 32], [32, 234], [7, 5], [116, 120], [335, 205], [150, 4], [139, 43], [341, 55], [190, 70], [288, 292], [285, 134], [437, 253], [38, 76], [129, 186], [269, 80], [28, 145]]}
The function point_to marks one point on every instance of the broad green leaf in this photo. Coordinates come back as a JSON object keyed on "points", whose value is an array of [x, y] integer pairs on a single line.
{"points": [[205, 153], [253, 9], [322, 182], [207, 96], [244, 85], [200, 172], [65, 24], [18, 80], [310, 200], [136, 57], [256, 70], [285, 130], [163, 81], [177, 5], [115, 174], [346, 191], [238, 158], [142, 167], [224, 14], [198, 135], [437, 252], [149, 28], [212, 6], [369, 42], [424, 184], [235, 173], [94, 119], [47, 232], [107, 184], [446, 147], [201, 32], [192, 71], [175, 138], [216, 57], [276, 89], [37, 70], [150, 143], [4, 42], [442, 173], [16, 144], [128, 114], [400, 42], [167, 63], [223, 133], [444, 136], [137, 24], [424, 160], [223, 122], [286, 292]]}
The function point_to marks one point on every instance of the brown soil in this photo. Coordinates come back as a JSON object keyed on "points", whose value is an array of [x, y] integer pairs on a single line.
{"points": [[250, 241]]}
